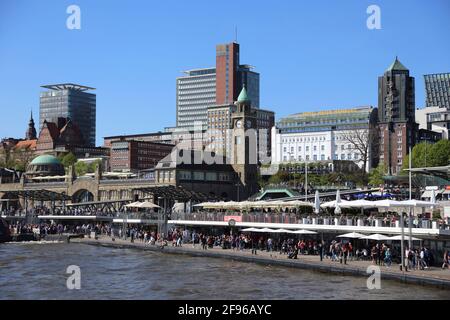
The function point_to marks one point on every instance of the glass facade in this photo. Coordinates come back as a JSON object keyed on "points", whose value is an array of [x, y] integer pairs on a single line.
{"points": [[77, 105], [437, 87]]}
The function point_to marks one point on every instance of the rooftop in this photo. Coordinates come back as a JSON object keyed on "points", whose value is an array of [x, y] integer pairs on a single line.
{"points": [[67, 86]]}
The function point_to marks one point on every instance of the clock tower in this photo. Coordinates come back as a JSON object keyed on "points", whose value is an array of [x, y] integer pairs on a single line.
{"points": [[244, 156]]}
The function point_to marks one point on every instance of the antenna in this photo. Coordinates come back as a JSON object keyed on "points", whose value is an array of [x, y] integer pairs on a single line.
{"points": [[235, 34]]}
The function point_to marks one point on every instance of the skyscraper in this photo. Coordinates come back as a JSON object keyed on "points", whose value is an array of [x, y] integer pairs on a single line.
{"points": [[437, 87], [71, 101], [203, 88], [396, 114]]}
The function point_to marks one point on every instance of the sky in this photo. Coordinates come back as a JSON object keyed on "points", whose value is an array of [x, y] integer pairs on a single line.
{"points": [[311, 55]]}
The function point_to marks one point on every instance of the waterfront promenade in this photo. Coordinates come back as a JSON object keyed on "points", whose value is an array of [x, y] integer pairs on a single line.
{"points": [[431, 277]]}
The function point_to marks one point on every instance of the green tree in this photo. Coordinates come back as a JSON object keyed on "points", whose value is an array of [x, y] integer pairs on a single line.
{"points": [[68, 160], [81, 168], [376, 175], [439, 154], [425, 154]]}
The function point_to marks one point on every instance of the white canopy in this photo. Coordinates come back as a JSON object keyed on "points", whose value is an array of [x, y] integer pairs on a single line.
{"points": [[133, 204], [361, 203], [406, 238], [377, 237], [417, 203], [148, 204], [304, 232], [283, 231], [250, 230], [351, 235]]}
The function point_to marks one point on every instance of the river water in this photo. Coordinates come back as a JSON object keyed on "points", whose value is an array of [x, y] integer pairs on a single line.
{"points": [[38, 271]]}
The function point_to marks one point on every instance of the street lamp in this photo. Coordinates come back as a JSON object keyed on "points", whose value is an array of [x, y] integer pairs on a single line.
{"points": [[290, 158]]}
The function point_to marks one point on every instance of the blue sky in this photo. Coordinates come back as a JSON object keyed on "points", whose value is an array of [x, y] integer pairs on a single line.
{"points": [[312, 55]]}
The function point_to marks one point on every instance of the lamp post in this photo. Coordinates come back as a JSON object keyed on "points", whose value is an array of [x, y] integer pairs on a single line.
{"points": [[306, 180], [290, 158], [410, 198]]}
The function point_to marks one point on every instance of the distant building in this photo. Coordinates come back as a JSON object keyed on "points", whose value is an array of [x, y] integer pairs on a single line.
{"points": [[436, 119], [31, 131], [132, 155], [71, 101], [219, 129], [437, 87], [202, 88], [64, 136], [398, 130], [325, 136]]}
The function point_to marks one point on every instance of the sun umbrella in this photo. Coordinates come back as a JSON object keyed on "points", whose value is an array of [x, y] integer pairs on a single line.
{"points": [[304, 232], [282, 231], [133, 204], [317, 203], [351, 235], [361, 203], [399, 237], [433, 197], [417, 203], [148, 205], [377, 237]]}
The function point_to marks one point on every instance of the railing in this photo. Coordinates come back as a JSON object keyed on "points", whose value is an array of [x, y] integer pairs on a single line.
{"points": [[290, 218]]}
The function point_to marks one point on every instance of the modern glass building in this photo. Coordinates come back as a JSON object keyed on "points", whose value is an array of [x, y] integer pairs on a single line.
{"points": [[71, 101], [195, 93], [437, 87]]}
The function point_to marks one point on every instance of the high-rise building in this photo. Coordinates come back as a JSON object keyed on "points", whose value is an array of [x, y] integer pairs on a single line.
{"points": [[71, 101], [203, 88], [437, 87], [396, 112]]}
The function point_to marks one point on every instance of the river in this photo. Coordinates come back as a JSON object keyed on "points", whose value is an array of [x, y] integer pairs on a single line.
{"points": [[38, 271]]}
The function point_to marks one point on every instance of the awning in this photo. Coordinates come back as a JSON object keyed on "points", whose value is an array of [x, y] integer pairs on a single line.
{"points": [[427, 194]]}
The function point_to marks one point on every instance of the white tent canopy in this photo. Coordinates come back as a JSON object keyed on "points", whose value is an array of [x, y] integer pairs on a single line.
{"points": [[377, 237], [133, 204], [406, 238], [148, 205], [304, 232], [351, 235]]}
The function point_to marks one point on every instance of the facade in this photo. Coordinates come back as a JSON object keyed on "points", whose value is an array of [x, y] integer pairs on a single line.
{"points": [[437, 87], [135, 155], [398, 130], [220, 124], [203, 88], [70, 101], [159, 137], [64, 136], [325, 136], [436, 119]]}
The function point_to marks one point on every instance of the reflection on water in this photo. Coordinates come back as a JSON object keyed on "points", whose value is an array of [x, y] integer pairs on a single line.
{"points": [[37, 271]]}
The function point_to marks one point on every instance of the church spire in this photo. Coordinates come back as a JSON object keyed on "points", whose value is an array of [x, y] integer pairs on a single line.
{"points": [[31, 132]]}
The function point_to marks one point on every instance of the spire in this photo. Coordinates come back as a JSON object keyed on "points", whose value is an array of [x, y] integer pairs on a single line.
{"points": [[397, 65], [243, 96], [31, 132]]}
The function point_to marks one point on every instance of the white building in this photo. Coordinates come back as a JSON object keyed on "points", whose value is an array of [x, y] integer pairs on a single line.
{"points": [[322, 136]]}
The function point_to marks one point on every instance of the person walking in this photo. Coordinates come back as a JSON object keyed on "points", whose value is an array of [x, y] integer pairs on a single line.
{"points": [[445, 263], [387, 258], [254, 245], [321, 245]]}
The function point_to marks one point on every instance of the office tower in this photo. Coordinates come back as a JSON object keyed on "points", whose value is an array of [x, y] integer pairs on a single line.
{"points": [[70, 101], [396, 112], [203, 88]]}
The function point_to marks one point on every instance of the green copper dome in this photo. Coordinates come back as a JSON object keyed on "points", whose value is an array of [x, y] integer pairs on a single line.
{"points": [[243, 96], [45, 160]]}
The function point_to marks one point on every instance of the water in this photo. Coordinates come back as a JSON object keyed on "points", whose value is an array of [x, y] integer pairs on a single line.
{"points": [[38, 271]]}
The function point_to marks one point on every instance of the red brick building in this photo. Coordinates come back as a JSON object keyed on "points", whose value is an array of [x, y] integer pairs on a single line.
{"points": [[132, 155]]}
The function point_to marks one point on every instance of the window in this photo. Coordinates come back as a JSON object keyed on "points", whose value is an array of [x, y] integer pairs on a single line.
{"points": [[299, 148], [322, 148], [315, 148], [315, 157], [307, 148]]}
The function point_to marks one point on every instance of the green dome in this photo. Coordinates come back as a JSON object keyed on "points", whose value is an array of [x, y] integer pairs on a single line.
{"points": [[45, 160], [243, 96]]}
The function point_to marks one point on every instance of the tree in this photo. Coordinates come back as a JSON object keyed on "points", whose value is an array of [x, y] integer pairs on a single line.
{"points": [[363, 141], [68, 160], [376, 175], [425, 154], [81, 168]]}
